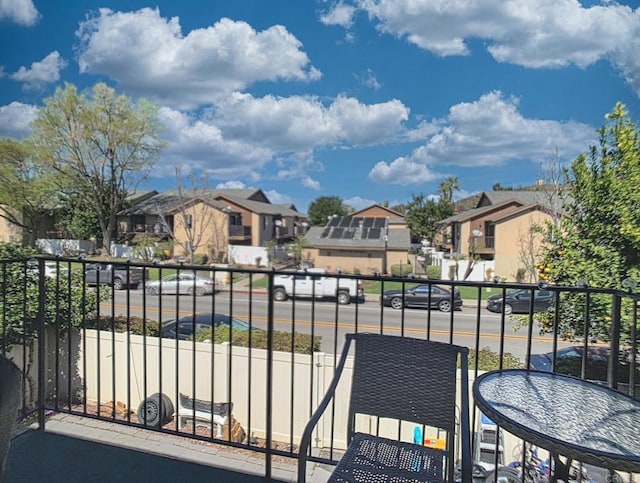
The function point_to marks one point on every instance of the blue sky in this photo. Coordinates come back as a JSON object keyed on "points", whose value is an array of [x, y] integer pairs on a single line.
{"points": [[369, 100]]}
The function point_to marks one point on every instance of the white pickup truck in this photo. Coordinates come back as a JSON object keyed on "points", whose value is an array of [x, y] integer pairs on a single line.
{"points": [[313, 283]]}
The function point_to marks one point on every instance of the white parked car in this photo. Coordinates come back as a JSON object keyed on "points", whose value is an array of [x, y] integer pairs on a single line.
{"points": [[183, 283], [53, 269]]}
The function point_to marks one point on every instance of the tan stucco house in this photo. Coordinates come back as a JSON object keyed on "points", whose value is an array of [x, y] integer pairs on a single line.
{"points": [[210, 220], [499, 228], [360, 242]]}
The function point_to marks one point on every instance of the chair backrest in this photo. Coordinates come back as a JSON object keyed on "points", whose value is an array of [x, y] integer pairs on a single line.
{"points": [[10, 396], [406, 379]]}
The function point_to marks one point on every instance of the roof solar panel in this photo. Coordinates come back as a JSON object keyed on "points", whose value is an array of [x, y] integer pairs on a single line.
{"points": [[355, 221], [374, 233], [345, 221], [348, 234], [368, 222], [334, 221], [378, 222], [325, 232], [337, 232]]}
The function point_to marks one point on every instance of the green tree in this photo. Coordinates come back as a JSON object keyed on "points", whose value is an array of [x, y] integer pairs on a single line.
{"points": [[28, 193], [424, 214], [102, 146], [598, 239], [422, 217], [81, 224], [322, 208]]}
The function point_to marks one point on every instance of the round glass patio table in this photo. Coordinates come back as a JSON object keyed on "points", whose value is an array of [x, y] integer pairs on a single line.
{"points": [[565, 415]]}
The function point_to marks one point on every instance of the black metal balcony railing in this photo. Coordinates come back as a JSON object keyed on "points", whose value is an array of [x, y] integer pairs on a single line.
{"points": [[106, 354], [239, 231]]}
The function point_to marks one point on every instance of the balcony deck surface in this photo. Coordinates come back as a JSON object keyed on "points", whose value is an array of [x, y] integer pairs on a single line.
{"points": [[75, 449]]}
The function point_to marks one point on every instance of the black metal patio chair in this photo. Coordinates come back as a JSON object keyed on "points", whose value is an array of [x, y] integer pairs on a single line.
{"points": [[10, 391], [408, 380]]}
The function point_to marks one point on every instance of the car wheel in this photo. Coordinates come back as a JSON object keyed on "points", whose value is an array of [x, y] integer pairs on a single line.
{"points": [[396, 303], [151, 411], [280, 295], [344, 298], [508, 309], [444, 306], [151, 290], [200, 291], [118, 284]]}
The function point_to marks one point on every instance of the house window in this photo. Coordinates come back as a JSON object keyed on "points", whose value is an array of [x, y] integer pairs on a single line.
{"points": [[188, 221], [264, 223]]}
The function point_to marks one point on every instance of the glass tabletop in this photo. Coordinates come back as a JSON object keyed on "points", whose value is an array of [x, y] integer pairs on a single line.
{"points": [[565, 415]]}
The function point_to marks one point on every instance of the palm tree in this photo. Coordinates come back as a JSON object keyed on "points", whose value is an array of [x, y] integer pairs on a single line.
{"points": [[447, 187]]}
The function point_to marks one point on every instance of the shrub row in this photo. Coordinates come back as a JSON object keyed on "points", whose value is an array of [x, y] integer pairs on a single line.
{"points": [[282, 341]]}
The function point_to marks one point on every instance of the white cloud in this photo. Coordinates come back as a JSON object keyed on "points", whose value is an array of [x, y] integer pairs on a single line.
{"points": [[278, 198], [241, 135], [402, 171], [310, 183], [358, 203], [41, 73], [369, 79], [15, 119], [232, 184], [22, 12], [149, 55], [339, 14], [487, 132], [531, 33]]}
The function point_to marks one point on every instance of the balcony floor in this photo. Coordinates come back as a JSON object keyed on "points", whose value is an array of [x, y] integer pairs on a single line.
{"points": [[82, 449]]}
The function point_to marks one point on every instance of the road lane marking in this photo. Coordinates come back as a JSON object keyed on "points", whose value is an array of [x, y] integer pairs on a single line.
{"points": [[346, 325]]}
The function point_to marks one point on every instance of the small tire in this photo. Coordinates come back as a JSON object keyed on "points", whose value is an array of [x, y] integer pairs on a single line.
{"points": [[200, 291], [396, 303], [280, 295], [444, 306], [508, 309], [118, 284], [151, 290], [344, 298], [151, 411]]}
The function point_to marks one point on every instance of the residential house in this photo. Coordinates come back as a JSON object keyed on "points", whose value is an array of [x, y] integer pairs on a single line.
{"points": [[208, 221], [9, 232], [359, 243], [499, 228]]}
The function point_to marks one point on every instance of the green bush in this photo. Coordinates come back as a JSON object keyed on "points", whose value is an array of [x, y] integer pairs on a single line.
{"points": [[67, 302], [119, 323], [433, 272], [200, 258], [282, 341], [489, 360], [401, 270]]}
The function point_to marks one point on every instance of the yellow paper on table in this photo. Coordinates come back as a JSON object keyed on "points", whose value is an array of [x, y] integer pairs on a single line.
{"points": [[436, 443]]}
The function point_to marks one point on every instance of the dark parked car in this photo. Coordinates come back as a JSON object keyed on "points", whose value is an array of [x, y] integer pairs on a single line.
{"points": [[423, 296], [595, 355], [185, 325], [519, 301], [119, 276]]}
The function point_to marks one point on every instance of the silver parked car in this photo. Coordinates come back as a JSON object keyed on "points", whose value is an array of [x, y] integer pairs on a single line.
{"points": [[183, 283]]}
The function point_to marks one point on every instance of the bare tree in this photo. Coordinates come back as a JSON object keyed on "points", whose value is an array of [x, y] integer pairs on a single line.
{"points": [[528, 241], [549, 196], [197, 221], [550, 192]]}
